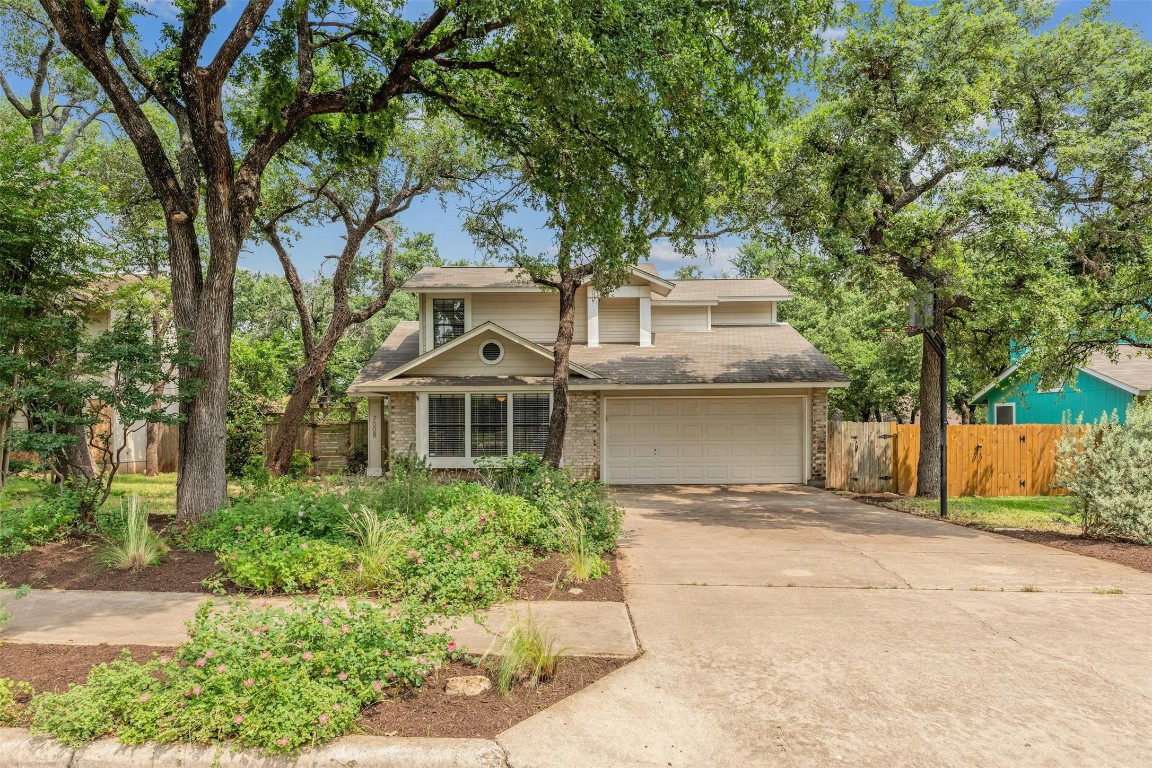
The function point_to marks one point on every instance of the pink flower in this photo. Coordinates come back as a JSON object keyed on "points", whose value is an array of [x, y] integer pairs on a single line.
{"points": [[196, 690], [420, 561], [238, 719], [360, 569], [249, 683], [327, 671], [451, 645], [239, 527], [475, 555], [221, 668], [431, 514], [267, 529], [201, 662], [345, 629], [303, 545], [144, 698], [447, 547], [394, 612], [483, 519], [209, 653], [411, 554], [265, 655], [343, 676], [165, 659], [447, 530], [420, 661], [323, 719], [326, 621], [456, 553], [284, 659], [378, 685], [283, 742], [307, 655]]}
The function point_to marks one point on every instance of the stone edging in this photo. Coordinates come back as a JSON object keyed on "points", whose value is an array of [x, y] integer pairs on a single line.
{"points": [[21, 749]]}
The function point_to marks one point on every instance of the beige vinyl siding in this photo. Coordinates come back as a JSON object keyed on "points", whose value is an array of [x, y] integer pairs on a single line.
{"points": [[99, 322], [619, 321], [679, 319], [742, 313], [535, 316], [465, 361]]}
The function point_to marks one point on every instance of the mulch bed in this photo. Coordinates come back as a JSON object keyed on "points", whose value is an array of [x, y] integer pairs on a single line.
{"points": [[546, 582], [70, 564], [1127, 553], [49, 667], [426, 711]]}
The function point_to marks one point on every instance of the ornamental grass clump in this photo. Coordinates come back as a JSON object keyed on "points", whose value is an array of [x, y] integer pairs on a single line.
{"points": [[273, 678], [130, 543], [528, 654], [381, 543]]}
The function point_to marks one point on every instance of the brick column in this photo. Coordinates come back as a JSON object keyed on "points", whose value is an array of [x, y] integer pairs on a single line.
{"points": [[819, 422], [582, 439]]}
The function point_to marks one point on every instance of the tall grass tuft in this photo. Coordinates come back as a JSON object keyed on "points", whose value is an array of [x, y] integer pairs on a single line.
{"points": [[583, 561], [380, 545], [131, 544], [528, 654]]}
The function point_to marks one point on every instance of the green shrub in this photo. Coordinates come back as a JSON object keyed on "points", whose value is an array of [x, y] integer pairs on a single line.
{"points": [[279, 679], [269, 561], [300, 465], [12, 711], [49, 518], [285, 507], [1107, 467], [244, 428], [357, 459]]}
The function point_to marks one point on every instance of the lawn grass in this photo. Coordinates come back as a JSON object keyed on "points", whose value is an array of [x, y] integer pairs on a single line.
{"points": [[157, 494], [1034, 513]]}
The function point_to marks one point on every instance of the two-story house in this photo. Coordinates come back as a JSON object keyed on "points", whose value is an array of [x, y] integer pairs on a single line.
{"points": [[686, 381]]}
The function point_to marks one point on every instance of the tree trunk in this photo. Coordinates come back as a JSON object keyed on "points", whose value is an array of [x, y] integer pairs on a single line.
{"points": [[558, 423], [152, 450], [928, 467], [5, 420], [303, 390]]}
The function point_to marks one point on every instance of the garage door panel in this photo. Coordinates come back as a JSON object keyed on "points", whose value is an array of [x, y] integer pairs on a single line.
{"points": [[704, 440]]}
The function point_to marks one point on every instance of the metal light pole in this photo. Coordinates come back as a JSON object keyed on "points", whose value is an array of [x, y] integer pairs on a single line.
{"points": [[936, 341]]}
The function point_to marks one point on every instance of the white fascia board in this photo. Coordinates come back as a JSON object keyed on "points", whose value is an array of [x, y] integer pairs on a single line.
{"points": [[980, 395], [593, 385], [1114, 382], [727, 299], [677, 303]]}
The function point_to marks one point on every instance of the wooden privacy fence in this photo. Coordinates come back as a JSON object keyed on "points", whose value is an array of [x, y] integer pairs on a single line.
{"points": [[327, 443], [983, 459]]}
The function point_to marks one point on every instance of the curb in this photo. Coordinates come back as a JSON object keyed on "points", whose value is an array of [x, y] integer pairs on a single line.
{"points": [[21, 749]]}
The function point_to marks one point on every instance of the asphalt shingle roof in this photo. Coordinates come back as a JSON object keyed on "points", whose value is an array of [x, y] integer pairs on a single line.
{"points": [[1132, 369], [773, 354], [711, 290]]}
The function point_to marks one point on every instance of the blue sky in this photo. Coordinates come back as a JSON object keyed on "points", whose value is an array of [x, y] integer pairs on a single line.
{"points": [[445, 221]]}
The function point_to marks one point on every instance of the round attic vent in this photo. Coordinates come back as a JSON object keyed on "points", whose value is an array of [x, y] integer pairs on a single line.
{"points": [[491, 352]]}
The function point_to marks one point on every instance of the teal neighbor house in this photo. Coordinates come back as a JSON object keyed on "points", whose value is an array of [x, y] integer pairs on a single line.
{"points": [[1099, 387]]}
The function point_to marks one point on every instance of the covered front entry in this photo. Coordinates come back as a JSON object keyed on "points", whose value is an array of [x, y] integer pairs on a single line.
{"points": [[704, 440]]}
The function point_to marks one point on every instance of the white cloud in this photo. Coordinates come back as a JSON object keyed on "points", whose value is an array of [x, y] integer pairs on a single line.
{"points": [[713, 258]]}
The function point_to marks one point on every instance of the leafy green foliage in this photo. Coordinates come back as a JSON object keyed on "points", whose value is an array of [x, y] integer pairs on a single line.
{"points": [[1107, 467], [269, 561], [49, 517], [278, 679], [244, 428], [13, 713]]}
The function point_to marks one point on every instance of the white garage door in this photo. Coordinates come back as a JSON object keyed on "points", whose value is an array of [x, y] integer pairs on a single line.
{"points": [[704, 440]]}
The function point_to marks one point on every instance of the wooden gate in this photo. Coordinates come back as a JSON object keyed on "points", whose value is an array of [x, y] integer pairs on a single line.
{"points": [[327, 443], [860, 456]]}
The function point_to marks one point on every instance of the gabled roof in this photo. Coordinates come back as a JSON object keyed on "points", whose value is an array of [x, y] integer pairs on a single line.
{"points": [[725, 290], [1131, 372], [395, 359], [504, 279], [772, 355]]}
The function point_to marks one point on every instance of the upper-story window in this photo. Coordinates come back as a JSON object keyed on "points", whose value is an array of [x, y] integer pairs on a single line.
{"points": [[447, 320]]}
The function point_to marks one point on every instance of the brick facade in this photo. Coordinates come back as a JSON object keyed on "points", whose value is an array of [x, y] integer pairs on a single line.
{"points": [[819, 436], [401, 423], [582, 438]]}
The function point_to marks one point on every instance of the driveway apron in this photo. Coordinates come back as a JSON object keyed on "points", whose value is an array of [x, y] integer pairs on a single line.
{"points": [[784, 625]]}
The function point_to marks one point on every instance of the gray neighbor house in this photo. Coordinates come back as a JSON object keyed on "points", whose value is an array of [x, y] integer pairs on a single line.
{"points": [[686, 381]]}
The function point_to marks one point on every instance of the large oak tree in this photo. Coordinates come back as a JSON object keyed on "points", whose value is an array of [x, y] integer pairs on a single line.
{"points": [[613, 76]]}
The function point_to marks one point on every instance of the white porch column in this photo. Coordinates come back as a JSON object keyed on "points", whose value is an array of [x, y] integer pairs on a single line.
{"points": [[375, 437], [645, 321], [593, 318]]}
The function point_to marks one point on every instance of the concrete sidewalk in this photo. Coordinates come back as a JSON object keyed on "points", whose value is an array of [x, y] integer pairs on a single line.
{"points": [[83, 617], [788, 626]]}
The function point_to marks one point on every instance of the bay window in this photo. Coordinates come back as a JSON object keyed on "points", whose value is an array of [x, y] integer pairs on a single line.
{"points": [[463, 427]]}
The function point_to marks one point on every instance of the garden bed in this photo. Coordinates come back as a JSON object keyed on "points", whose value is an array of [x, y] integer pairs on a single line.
{"points": [[1020, 518], [425, 711]]}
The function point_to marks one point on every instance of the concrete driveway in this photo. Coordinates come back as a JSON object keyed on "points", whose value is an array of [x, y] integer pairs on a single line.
{"points": [[786, 626]]}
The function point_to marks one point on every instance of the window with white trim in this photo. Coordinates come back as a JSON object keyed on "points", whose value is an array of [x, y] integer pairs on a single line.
{"points": [[447, 320], [446, 426], [530, 419], [475, 425], [1005, 413]]}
